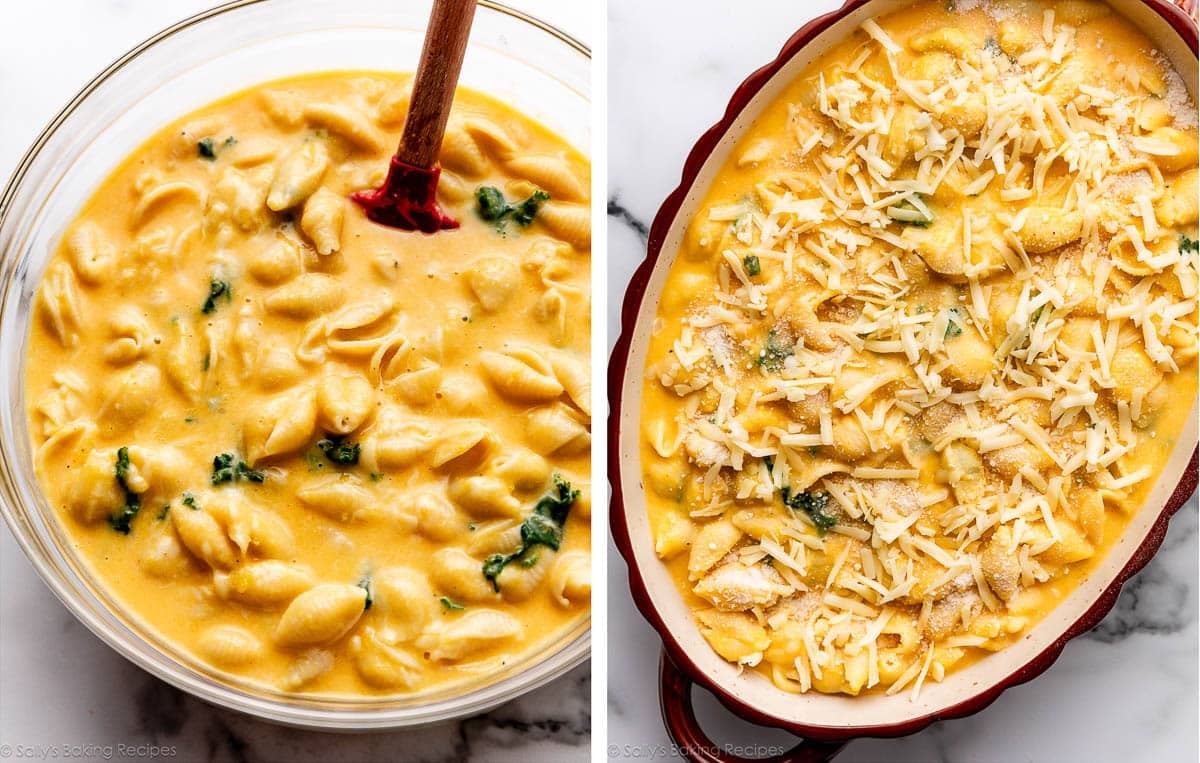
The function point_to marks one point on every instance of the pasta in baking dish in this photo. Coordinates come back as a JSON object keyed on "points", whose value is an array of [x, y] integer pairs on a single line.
{"points": [[313, 452], [926, 343]]}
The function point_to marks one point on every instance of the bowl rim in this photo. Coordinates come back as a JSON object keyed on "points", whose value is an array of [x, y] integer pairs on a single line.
{"points": [[22, 166], [618, 371], [572, 651]]}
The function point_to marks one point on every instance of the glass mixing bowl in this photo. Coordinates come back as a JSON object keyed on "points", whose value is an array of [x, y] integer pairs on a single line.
{"points": [[518, 59]]}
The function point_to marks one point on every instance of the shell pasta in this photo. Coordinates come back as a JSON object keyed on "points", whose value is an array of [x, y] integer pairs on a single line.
{"points": [[927, 342], [315, 453]]}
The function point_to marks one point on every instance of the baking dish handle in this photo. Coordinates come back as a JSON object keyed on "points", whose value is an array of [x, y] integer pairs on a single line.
{"points": [[675, 696], [1191, 7]]}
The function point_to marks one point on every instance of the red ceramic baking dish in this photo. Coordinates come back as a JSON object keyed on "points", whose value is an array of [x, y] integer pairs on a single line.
{"points": [[826, 722]]}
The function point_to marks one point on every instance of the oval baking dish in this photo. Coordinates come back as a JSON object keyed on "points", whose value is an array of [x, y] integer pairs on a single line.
{"points": [[826, 722]]}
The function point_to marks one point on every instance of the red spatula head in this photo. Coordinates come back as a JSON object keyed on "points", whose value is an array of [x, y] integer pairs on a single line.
{"points": [[407, 199]]}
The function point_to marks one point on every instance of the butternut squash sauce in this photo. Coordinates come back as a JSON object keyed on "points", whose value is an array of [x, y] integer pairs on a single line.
{"points": [[927, 344], [302, 447]]}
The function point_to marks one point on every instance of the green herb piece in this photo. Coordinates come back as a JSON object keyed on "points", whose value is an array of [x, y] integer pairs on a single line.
{"points": [[207, 147], [752, 265], [122, 468], [493, 207], [495, 564], [529, 561], [227, 467], [122, 521], [189, 500], [524, 212], [450, 605], [216, 291], [773, 353], [954, 327], [162, 513], [906, 212], [812, 503], [543, 527], [376, 476], [1187, 245], [558, 503], [365, 583], [342, 453]]}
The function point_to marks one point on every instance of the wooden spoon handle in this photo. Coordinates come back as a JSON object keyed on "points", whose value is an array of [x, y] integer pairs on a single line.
{"points": [[437, 76]]}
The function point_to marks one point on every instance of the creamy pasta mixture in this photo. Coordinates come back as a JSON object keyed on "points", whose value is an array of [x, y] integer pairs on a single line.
{"points": [[313, 452], [927, 344]]}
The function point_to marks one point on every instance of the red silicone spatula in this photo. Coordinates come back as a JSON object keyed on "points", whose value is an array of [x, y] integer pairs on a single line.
{"points": [[408, 197]]}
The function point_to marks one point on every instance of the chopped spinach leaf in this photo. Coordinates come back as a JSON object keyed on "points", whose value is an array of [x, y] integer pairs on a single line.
{"points": [[538, 528], [1187, 245], [493, 207], [557, 503], [543, 527], [955, 324], [524, 212], [227, 467], [122, 521], [773, 353], [813, 503], [365, 583], [162, 513], [341, 453], [451, 605], [376, 476], [752, 265], [495, 564], [121, 471], [189, 500], [208, 148], [906, 212], [216, 290]]}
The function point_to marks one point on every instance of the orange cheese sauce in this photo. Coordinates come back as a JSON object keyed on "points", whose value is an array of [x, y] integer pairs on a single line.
{"points": [[907, 386], [390, 407]]}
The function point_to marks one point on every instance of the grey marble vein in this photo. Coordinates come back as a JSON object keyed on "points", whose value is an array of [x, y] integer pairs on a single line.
{"points": [[624, 217]]}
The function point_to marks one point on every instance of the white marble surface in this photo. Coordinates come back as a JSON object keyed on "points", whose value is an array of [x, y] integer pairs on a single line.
{"points": [[61, 689], [1125, 692]]}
